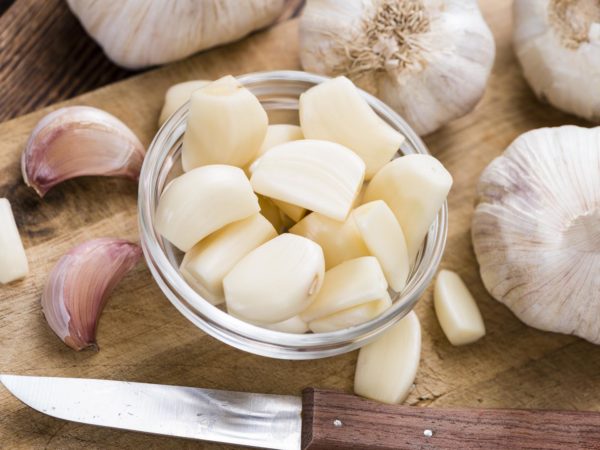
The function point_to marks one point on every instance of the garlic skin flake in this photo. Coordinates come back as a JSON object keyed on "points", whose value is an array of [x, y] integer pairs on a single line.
{"points": [[226, 125], [352, 283], [207, 263], [414, 187], [456, 309], [428, 59], [77, 141], [276, 281], [13, 260], [201, 201], [176, 96], [335, 111], [557, 43], [387, 367], [79, 286], [536, 229], [140, 33], [321, 176]]}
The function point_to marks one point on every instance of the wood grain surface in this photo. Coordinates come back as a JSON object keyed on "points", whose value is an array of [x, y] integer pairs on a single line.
{"points": [[46, 55], [333, 420], [143, 338]]}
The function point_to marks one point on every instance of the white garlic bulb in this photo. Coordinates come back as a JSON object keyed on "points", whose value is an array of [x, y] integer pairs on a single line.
{"points": [[536, 229], [140, 33], [427, 59], [558, 45]]}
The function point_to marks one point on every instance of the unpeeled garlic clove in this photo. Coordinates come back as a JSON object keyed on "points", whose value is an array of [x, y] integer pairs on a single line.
{"points": [[276, 281], [13, 261], [201, 201], [414, 187], [456, 309], [351, 316], [335, 111], [352, 283], [80, 284], [340, 241], [387, 367], [317, 175], [176, 96], [77, 141], [226, 125], [384, 239], [207, 263]]}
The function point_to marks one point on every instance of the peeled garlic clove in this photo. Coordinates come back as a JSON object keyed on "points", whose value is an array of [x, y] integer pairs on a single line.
{"points": [[208, 262], [456, 309], [430, 61], [79, 286], [384, 239], [138, 33], [340, 241], [77, 141], [558, 44], [276, 281], [201, 201], [335, 111], [279, 134], [13, 261], [177, 95], [273, 214], [226, 125], [536, 229], [352, 283], [317, 175], [294, 212], [294, 325], [351, 316], [414, 187], [387, 367]]}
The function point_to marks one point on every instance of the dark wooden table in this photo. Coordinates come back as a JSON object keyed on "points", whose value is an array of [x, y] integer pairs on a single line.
{"points": [[46, 56]]}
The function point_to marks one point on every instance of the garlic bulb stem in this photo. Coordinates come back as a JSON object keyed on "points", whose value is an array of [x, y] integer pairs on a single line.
{"points": [[79, 141], [79, 286]]}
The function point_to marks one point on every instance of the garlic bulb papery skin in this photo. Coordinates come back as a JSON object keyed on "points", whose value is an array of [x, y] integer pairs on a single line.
{"points": [[140, 33], [79, 286], [176, 96], [13, 260], [557, 43], [536, 229], [77, 141], [201, 201], [275, 281], [387, 367], [428, 59]]}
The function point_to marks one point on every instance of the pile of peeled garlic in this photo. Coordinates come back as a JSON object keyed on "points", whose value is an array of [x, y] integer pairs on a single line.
{"points": [[429, 60], [355, 218]]}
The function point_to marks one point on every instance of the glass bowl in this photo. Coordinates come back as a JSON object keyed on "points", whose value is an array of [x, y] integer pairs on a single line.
{"points": [[278, 92]]}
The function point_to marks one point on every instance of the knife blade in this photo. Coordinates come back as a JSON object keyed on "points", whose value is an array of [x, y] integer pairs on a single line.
{"points": [[321, 420], [256, 420]]}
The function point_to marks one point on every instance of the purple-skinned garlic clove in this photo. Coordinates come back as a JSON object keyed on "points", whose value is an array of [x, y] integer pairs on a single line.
{"points": [[79, 141], [79, 286]]}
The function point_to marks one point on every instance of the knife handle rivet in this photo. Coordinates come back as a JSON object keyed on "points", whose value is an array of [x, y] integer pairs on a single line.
{"points": [[337, 423], [427, 433]]}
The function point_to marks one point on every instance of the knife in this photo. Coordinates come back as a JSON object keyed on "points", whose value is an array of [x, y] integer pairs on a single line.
{"points": [[319, 420]]}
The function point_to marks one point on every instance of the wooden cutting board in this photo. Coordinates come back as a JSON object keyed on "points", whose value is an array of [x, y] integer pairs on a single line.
{"points": [[143, 338]]}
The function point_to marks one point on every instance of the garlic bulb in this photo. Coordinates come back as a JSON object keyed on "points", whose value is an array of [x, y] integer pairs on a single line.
{"points": [[140, 33], [427, 59], [557, 43], [536, 229], [79, 286]]}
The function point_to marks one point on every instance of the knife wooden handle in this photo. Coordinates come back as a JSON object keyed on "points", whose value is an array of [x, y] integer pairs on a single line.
{"points": [[334, 420]]}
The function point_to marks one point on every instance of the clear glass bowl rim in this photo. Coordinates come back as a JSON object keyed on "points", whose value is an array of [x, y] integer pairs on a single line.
{"points": [[240, 334]]}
